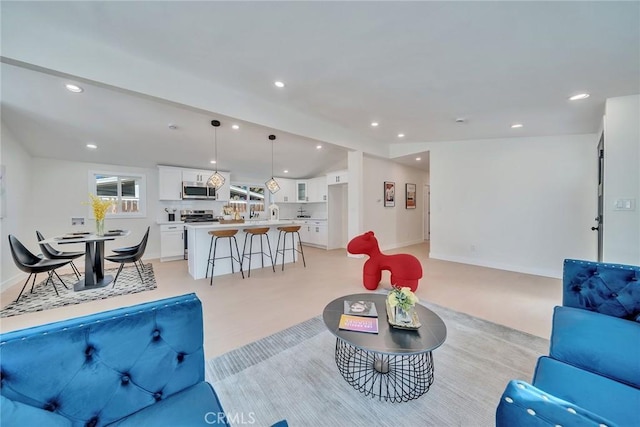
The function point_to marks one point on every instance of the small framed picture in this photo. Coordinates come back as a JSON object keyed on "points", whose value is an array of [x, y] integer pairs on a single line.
{"points": [[410, 198], [389, 194]]}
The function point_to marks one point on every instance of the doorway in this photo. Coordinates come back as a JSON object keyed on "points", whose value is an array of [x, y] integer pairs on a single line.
{"points": [[600, 218], [426, 193]]}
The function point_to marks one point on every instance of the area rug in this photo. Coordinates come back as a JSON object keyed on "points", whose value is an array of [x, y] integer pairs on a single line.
{"points": [[44, 297], [292, 375]]}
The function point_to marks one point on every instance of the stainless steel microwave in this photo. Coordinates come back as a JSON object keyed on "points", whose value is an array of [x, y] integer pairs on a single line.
{"points": [[198, 191]]}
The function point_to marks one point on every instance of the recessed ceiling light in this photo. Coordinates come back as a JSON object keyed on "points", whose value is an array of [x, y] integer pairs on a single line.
{"points": [[318, 147], [213, 162], [236, 127], [461, 120], [92, 146], [285, 171], [579, 96], [516, 125], [374, 124], [401, 135], [172, 126], [418, 158], [279, 84], [73, 88]]}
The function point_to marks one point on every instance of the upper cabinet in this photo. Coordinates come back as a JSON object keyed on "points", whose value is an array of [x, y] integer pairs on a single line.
{"points": [[287, 192], [317, 189], [195, 175], [338, 177], [301, 191], [170, 183], [302, 194], [224, 192], [170, 180]]}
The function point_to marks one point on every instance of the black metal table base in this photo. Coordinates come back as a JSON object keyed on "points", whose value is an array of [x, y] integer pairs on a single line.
{"points": [[394, 378], [81, 285]]}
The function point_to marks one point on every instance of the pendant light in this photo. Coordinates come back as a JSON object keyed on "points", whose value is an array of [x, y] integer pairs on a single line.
{"points": [[272, 184], [216, 180]]}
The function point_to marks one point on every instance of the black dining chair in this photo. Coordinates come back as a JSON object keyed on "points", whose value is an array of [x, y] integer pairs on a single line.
{"points": [[128, 257], [50, 252], [33, 264]]}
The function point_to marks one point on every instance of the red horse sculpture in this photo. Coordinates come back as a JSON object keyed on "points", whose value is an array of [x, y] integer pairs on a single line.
{"points": [[405, 269]]}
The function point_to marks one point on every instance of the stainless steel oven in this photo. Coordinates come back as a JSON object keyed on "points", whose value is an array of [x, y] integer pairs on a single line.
{"points": [[194, 216]]}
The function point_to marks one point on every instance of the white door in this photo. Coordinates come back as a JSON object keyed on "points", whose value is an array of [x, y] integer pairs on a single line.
{"points": [[426, 213]]}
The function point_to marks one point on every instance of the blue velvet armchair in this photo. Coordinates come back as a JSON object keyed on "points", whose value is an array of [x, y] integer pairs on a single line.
{"points": [[135, 366], [592, 374]]}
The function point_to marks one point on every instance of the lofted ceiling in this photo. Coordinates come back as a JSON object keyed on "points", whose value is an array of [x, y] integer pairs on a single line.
{"points": [[413, 67]]}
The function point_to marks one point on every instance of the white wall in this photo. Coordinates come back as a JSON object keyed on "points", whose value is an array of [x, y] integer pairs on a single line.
{"points": [[60, 190], [621, 241], [44, 194], [522, 204], [18, 202], [393, 226]]}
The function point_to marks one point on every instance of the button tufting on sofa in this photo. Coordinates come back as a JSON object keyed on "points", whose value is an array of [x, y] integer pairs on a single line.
{"points": [[157, 395], [124, 380], [51, 406], [93, 422], [181, 357], [156, 335], [88, 352]]}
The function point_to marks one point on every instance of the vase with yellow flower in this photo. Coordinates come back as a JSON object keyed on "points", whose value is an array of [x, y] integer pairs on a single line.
{"points": [[402, 301], [100, 208]]}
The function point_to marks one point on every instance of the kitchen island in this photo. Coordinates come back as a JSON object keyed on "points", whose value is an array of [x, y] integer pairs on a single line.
{"points": [[200, 241]]}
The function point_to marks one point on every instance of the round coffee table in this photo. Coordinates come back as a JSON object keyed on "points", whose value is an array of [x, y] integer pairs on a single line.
{"points": [[395, 364]]}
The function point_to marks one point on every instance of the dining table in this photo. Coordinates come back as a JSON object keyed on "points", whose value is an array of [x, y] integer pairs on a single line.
{"points": [[94, 276]]}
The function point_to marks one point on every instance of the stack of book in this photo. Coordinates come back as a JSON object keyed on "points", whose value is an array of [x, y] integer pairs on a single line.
{"points": [[359, 316]]}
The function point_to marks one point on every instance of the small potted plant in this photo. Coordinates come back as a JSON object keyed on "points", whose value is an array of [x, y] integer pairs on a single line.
{"points": [[402, 301]]}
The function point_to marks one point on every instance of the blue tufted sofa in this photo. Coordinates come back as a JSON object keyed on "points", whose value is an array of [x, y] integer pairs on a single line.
{"points": [[135, 366], [592, 374]]}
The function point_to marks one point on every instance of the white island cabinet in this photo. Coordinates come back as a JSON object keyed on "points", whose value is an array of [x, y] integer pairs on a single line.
{"points": [[200, 240]]}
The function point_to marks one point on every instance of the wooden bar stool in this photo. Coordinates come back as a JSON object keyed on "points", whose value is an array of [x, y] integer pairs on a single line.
{"points": [[260, 233], [223, 234], [292, 230]]}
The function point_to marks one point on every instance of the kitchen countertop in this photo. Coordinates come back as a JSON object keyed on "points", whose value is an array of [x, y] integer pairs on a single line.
{"points": [[247, 223]]}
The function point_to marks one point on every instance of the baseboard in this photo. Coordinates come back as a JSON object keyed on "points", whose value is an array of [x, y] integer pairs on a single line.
{"points": [[6, 284], [401, 244], [555, 274]]}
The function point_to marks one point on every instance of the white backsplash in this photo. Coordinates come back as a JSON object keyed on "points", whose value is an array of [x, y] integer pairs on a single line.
{"points": [[314, 210]]}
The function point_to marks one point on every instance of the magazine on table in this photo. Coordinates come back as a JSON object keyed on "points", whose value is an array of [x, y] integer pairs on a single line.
{"points": [[360, 308], [359, 323]]}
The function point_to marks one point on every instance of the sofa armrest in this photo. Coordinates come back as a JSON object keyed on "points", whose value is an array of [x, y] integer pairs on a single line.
{"points": [[597, 343], [524, 405]]}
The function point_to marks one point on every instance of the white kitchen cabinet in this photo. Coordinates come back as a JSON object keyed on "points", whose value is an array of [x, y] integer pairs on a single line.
{"points": [[314, 233], [287, 192], [317, 189], [169, 183], [171, 242], [302, 194], [196, 175], [224, 192], [338, 177]]}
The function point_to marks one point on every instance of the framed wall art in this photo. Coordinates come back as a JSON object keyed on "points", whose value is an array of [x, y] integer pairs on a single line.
{"points": [[410, 196], [389, 194]]}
